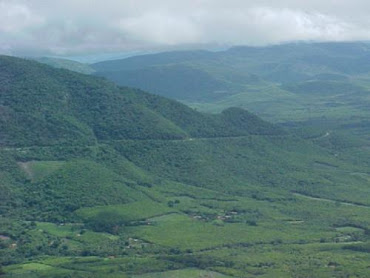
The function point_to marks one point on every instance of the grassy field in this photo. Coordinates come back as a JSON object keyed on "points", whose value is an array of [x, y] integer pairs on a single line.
{"points": [[199, 236], [130, 212]]}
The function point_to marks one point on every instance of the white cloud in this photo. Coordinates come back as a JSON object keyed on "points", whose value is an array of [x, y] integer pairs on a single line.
{"points": [[160, 28], [88, 26], [286, 24], [16, 17]]}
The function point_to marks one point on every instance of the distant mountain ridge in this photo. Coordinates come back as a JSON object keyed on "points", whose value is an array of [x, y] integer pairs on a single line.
{"points": [[236, 70], [66, 64]]}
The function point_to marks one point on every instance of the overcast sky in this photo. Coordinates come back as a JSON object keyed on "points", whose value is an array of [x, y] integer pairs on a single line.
{"points": [[76, 27]]}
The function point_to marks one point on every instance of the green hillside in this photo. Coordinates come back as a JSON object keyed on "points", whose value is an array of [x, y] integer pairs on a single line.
{"points": [[98, 180], [297, 82], [43, 106]]}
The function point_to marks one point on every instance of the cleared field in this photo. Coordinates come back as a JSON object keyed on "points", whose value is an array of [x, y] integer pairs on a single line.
{"points": [[129, 212], [36, 170]]}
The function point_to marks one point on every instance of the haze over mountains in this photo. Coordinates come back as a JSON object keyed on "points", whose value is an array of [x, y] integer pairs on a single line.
{"points": [[213, 76], [278, 63]]}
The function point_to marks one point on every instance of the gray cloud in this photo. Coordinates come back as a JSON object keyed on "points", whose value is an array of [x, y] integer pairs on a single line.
{"points": [[90, 26]]}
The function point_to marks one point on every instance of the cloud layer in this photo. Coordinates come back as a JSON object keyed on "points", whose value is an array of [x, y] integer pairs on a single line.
{"points": [[41, 27]]}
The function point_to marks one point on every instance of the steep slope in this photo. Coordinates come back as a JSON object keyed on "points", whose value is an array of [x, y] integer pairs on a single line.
{"points": [[43, 106]]}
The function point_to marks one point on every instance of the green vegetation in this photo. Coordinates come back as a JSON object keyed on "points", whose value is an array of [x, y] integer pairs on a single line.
{"points": [[315, 84], [196, 273], [210, 76], [42, 106], [102, 181]]}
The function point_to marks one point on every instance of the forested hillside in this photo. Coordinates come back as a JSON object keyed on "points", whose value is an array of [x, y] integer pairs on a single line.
{"points": [[43, 106], [98, 180]]}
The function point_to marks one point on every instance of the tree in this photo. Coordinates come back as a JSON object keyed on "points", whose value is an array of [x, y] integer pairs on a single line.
{"points": [[106, 221]]}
